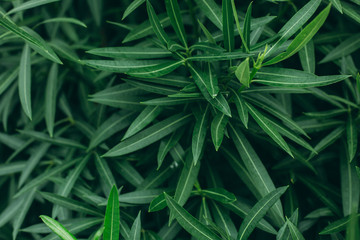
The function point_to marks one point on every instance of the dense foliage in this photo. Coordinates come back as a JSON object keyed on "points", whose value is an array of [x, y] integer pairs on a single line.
{"points": [[195, 119]]}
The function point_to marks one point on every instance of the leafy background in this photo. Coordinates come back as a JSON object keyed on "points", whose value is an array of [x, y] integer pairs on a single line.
{"points": [[194, 119]]}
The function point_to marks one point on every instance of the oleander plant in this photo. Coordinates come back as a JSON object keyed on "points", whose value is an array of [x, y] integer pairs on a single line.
{"points": [[170, 119]]}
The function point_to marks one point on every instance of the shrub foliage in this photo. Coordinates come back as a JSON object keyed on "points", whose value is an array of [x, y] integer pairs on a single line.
{"points": [[195, 119]]}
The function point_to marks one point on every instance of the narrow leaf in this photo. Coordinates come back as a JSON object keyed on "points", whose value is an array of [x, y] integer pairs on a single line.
{"points": [[173, 11], [149, 135], [57, 228], [112, 216], [142, 120], [218, 126], [258, 212], [50, 98], [25, 81], [188, 222]]}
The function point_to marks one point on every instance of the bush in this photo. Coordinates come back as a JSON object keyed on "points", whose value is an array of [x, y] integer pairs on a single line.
{"points": [[198, 119]]}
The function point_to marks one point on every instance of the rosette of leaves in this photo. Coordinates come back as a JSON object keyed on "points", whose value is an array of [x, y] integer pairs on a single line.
{"points": [[197, 96]]}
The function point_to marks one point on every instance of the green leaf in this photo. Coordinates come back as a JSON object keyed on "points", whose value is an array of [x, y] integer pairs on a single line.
{"points": [[207, 47], [132, 6], [266, 125], [337, 226], [321, 194], [167, 144], [218, 126], [173, 11], [36, 42], [328, 140], [257, 171], [242, 73], [55, 140], [136, 228], [337, 5], [156, 25], [294, 24], [187, 180], [241, 108], [212, 85], [351, 11], [23, 211], [140, 196], [228, 25], [158, 203], [25, 81], [199, 134], [128, 172], [155, 71], [149, 135], [188, 222], [302, 38], [112, 216], [242, 209], [50, 98], [131, 52], [352, 138], [219, 56], [294, 231], [63, 20], [146, 28], [56, 227], [70, 181], [258, 212], [44, 177], [112, 125], [106, 177], [219, 101], [345, 48], [223, 220], [247, 24], [282, 77], [71, 204], [142, 120], [30, 4], [211, 11], [171, 101], [33, 161], [350, 186], [207, 33], [10, 168], [219, 194], [7, 78], [120, 66], [307, 57]]}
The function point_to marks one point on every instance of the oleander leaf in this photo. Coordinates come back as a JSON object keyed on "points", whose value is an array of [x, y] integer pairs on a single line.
{"points": [[25, 81], [112, 216], [212, 11], [149, 135], [294, 24], [57, 227], [199, 134], [132, 7], [188, 222], [35, 41], [258, 212], [173, 11], [50, 98], [130, 52], [142, 120], [30, 4], [303, 37], [218, 126], [156, 25], [281, 77]]}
